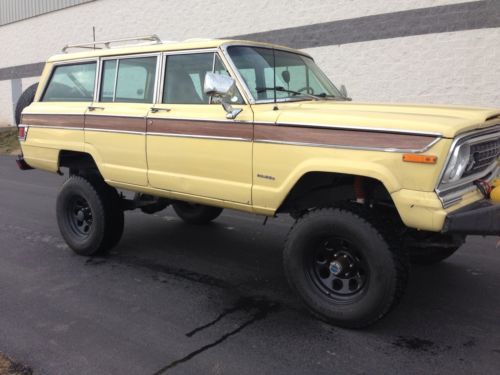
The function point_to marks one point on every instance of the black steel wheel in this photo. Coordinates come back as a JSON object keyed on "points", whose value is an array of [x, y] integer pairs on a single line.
{"points": [[89, 215], [344, 269], [79, 216], [338, 269], [193, 213]]}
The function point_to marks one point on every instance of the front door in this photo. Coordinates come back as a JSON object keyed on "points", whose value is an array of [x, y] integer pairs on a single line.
{"points": [[191, 147]]}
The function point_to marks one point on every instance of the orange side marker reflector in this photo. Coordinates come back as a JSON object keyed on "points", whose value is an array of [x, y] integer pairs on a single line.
{"points": [[425, 159]]}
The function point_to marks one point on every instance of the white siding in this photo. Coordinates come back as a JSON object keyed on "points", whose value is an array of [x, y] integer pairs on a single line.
{"points": [[17, 10]]}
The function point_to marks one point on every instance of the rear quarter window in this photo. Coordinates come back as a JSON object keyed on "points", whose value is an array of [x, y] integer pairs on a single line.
{"points": [[71, 83]]}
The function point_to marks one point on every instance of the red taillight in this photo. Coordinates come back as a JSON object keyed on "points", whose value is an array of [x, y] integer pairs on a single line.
{"points": [[22, 133]]}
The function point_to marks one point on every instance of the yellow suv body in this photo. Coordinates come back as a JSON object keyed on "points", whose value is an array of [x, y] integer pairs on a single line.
{"points": [[284, 140]]}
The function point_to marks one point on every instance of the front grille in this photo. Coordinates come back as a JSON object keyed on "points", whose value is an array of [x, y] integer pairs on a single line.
{"points": [[482, 155]]}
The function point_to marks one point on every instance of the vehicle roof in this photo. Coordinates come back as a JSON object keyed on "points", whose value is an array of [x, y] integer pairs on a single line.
{"points": [[164, 47]]}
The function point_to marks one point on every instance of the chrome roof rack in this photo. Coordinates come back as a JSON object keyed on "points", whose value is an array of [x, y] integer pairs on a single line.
{"points": [[154, 39]]}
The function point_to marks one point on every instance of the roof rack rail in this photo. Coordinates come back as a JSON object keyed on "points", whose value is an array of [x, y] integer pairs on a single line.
{"points": [[155, 39]]}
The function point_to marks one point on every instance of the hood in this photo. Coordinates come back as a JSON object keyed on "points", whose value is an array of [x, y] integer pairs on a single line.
{"points": [[448, 121]]}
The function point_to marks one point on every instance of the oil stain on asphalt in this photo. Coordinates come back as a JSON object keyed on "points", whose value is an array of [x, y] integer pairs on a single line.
{"points": [[257, 308]]}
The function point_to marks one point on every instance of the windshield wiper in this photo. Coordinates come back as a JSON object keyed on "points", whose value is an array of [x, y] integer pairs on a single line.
{"points": [[326, 96], [282, 89]]}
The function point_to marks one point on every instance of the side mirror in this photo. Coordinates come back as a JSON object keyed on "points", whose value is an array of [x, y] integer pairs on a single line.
{"points": [[223, 87], [343, 91]]}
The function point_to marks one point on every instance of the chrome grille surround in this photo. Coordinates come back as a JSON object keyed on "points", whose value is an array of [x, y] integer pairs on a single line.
{"points": [[483, 164]]}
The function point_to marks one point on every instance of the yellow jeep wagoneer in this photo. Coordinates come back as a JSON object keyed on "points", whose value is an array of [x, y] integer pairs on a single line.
{"points": [[204, 125]]}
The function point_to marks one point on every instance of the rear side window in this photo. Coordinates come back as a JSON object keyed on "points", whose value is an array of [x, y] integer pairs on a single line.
{"points": [[71, 83], [129, 80]]}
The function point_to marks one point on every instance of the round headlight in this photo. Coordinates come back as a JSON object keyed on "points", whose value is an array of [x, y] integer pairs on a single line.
{"points": [[457, 164]]}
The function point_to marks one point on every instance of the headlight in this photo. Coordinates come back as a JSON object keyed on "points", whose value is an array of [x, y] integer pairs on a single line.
{"points": [[457, 164]]}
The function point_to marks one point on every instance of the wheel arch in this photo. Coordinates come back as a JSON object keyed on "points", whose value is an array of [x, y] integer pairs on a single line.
{"points": [[319, 189], [77, 161]]}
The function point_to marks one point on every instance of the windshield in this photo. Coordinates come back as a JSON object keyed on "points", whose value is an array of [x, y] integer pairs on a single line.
{"points": [[272, 75]]}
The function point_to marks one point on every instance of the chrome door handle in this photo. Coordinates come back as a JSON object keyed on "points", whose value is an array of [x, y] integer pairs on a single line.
{"points": [[155, 109], [93, 108]]}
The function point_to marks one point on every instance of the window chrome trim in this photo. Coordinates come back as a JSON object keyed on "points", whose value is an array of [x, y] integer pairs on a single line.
{"points": [[251, 100], [57, 64], [215, 51], [123, 57], [443, 189]]}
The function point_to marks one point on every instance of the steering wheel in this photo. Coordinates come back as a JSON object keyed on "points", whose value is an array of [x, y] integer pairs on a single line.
{"points": [[308, 89]]}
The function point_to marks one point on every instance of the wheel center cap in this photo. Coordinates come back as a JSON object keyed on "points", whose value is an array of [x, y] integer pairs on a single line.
{"points": [[80, 216], [335, 267]]}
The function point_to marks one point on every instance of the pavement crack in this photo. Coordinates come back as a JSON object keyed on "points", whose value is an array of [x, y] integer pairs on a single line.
{"points": [[260, 308], [243, 304]]}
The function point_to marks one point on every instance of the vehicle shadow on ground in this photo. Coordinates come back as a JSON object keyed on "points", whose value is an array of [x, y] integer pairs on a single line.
{"points": [[238, 262], [247, 257]]}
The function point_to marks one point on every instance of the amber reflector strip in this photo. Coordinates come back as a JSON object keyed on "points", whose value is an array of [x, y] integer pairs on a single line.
{"points": [[425, 159]]}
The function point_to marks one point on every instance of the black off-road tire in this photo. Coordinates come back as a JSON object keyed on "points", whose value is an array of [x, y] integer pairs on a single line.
{"points": [[196, 213], [385, 276], [89, 215], [431, 255], [25, 100]]}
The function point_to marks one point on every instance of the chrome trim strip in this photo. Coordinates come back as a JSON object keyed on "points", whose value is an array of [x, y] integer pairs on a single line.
{"points": [[322, 145], [457, 196], [199, 120], [477, 136], [361, 128], [200, 136], [114, 131], [53, 127], [116, 115], [52, 114]]}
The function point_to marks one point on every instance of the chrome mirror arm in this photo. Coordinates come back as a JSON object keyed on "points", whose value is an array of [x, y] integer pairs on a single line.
{"points": [[222, 87], [231, 113]]}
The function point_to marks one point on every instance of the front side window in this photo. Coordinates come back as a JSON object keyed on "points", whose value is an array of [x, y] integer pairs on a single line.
{"points": [[272, 74], [185, 76], [130, 80], [71, 83]]}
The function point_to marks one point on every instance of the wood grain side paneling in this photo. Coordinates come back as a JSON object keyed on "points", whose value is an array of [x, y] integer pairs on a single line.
{"points": [[340, 137], [116, 123], [202, 128], [64, 121]]}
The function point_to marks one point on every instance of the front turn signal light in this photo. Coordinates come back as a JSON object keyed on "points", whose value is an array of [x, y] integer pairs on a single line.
{"points": [[424, 159]]}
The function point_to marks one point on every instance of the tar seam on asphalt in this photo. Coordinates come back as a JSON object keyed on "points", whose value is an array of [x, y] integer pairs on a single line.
{"points": [[261, 306]]}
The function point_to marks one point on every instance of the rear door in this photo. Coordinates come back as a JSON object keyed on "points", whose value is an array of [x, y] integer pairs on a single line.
{"points": [[115, 124]]}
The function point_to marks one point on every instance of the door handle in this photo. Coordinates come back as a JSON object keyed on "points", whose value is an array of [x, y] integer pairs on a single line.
{"points": [[93, 108], [155, 109]]}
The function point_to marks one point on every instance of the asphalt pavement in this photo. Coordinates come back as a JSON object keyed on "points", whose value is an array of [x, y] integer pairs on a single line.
{"points": [[179, 299]]}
